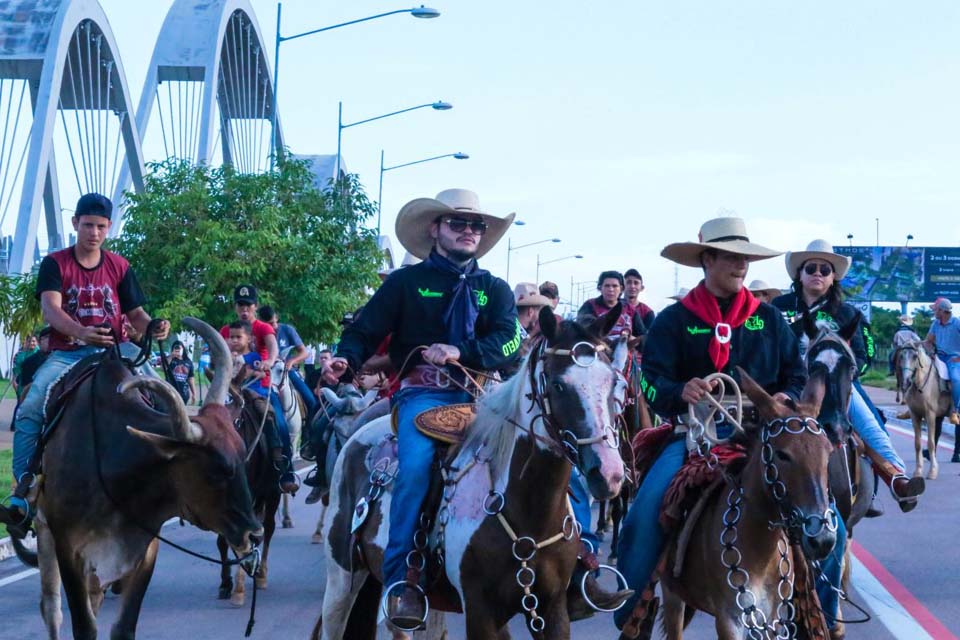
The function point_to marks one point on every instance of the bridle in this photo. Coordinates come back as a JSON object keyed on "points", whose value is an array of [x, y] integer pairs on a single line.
{"points": [[583, 354], [912, 372]]}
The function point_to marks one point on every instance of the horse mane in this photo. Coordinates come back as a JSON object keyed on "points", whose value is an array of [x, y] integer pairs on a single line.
{"points": [[492, 429]]}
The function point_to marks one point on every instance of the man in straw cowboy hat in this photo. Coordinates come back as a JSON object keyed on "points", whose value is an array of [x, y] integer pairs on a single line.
{"points": [[462, 314], [716, 327], [763, 291]]}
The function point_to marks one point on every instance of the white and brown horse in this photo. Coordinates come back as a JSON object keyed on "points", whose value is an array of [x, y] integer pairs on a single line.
{"points": [[920, 385], [507, 481]]}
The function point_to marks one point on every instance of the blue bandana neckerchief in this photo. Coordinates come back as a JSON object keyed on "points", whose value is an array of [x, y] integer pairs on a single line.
{"points": [[463, 309]]}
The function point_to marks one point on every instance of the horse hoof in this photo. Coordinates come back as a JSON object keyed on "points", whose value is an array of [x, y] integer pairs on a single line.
{"points": [[287, 523], [932, 475], [236, 599], [261, 583], [317, 538], [225, 592]]}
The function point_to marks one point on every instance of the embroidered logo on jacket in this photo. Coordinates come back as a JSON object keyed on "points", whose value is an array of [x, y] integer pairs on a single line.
{"points": [[697, 331], [754, 323], [482, 298], [426, 293]]}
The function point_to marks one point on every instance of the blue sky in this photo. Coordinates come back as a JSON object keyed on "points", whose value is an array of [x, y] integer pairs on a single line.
{"points": [[621, 126]]}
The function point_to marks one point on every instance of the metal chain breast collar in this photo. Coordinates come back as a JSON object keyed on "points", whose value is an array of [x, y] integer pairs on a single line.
{"points": [[792, 523]]}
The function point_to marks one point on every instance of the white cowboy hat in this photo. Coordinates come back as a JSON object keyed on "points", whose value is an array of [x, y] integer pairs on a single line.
{"points": [[680, 295], [526, 294], [408, 261], [819, 250], [723, 234], [907, 320], [761, 286], [413, 222]]}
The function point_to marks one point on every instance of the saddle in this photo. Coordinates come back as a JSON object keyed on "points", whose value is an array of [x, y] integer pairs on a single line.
{"points": [[447, 424]]}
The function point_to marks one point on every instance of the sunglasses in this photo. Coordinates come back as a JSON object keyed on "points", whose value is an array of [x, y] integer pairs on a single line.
{"points": [[824, 269], [458, 225]]}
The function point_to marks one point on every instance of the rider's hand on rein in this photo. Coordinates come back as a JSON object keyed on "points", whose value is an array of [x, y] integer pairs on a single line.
{"points": [[696, 389], [441, 354]]}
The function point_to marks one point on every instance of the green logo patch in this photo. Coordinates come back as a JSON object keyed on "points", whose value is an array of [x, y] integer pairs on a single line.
{"points": [[426, 293], [754, 323], [482, 298], [698, 331]]}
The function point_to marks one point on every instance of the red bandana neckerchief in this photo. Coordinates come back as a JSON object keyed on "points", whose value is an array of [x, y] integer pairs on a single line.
{"points": [[703, 304]]}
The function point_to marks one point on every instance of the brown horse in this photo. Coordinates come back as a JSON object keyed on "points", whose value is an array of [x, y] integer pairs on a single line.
{"points": [[920, 385], [784, 482], [250, 413], [504, 527]]}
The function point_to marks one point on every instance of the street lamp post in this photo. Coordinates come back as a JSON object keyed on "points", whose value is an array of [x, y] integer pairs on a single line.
{"points": [[417, 12], [850, 239], [511, 249], [439, 105], [540, 264], [456, 156], [909, 238]]}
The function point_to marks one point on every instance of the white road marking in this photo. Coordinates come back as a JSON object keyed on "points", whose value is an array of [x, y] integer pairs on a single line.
{"points": [[881, 602], [909, 433]]}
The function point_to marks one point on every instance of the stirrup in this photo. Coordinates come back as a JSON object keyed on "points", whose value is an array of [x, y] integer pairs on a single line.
{"points": [[902, 499], [385, 604], [620, 581]]}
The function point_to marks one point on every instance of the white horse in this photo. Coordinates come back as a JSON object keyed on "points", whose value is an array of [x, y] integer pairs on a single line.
{"points": [[295, 411]]}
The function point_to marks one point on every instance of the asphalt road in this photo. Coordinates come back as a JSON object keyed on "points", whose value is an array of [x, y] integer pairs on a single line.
{"points": [[912, 556]]}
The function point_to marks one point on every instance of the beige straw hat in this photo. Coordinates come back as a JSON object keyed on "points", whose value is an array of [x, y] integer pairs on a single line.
{"points": [[723, 234], [818, 250]]}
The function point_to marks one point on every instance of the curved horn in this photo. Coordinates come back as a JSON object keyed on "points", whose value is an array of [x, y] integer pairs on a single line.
{"points": [[220, 360], [183, 428]]}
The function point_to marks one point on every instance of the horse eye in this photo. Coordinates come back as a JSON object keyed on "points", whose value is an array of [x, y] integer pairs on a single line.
{"points": [[558, 386], [783, 456]]}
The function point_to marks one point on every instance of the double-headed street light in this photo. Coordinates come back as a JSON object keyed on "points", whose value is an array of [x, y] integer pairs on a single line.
{"points": [[540, 264], [456, 156], [511, 249], [417, 12]]}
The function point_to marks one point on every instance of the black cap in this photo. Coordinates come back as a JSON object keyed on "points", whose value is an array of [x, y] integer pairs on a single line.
{"points": [[632, 273], [245, 294], [94, 204]]}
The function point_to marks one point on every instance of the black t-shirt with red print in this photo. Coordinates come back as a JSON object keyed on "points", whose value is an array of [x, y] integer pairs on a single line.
{"points": [[93, 296]]}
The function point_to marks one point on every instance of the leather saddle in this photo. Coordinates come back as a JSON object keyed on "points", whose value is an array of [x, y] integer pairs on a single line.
{"points": [[447, 424]]}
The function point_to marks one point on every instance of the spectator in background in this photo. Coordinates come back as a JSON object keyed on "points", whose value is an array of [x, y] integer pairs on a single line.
{"points": [[764, 292], [180, 371], [27, 349]]}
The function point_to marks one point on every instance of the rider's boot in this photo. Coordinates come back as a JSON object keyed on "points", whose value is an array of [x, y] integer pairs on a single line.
{"points": [[18, 516], [577, 606], [288, 479], [956, 448], [314, 496], [875, 510], [905, 490], [904, 415]]}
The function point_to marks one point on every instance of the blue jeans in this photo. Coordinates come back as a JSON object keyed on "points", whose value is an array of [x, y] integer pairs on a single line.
{"points": [[953, 370], [868, 428], [415, 452], [641, 538], [301, 387], [29, 423], [832, 567], [581, 509], [283, 431]]}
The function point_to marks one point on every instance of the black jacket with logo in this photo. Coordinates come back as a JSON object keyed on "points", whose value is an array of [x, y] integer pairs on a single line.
{"points": [[839, 320], [410, 305], [677, 351]]}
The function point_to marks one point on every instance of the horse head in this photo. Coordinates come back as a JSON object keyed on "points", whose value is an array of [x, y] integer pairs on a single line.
{"points": [[583, 392], [831, 364], [909, 361], [793, 453]]}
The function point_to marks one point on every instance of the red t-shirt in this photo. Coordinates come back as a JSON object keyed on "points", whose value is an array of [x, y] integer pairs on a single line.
{"points": [[96, 296], [260, 331]]}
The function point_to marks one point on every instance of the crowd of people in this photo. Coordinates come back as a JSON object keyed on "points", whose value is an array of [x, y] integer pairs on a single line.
{"points": [[442, 309]]}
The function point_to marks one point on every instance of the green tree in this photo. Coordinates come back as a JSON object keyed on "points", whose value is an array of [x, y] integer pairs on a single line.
{"points": [[883, 323], [196, 232], [19, 308], [922, 319]]}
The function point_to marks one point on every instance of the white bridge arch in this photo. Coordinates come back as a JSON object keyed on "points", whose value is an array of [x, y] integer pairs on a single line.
{"points": [[208, 96]]}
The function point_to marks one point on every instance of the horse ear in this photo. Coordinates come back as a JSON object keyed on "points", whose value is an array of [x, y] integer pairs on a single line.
{"points": [[767, 407], [812, 397], [620, 353], [602, 326], [851, 329], [548, 323]]}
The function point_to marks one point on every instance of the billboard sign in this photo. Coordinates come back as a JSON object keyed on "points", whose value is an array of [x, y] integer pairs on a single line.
{"points": [[902, 274]]}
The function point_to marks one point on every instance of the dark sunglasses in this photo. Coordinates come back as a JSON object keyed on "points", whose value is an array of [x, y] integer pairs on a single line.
{"points": [[458, 225], [824, 269]]}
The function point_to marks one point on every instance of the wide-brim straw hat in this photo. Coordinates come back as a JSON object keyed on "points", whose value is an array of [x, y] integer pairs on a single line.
{"points": [[761, 286], [413, 222], [722, 234], [818, 250], [680, 295], [907, 320], [527, 294]]}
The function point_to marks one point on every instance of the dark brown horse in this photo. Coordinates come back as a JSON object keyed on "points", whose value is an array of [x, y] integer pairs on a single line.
{"points": [[250, 414], [731, 545], [508, 536]]}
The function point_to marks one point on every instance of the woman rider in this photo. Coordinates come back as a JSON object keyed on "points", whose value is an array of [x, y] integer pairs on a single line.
{"points": [[816, 275]]}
